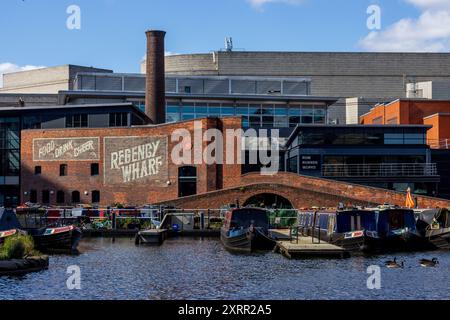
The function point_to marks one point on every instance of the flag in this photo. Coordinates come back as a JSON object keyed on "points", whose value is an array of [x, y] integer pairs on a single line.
{"points": [[410, 203]]}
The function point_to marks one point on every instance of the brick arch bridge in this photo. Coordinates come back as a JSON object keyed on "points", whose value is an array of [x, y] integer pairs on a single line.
{"points": [[301, 191]]}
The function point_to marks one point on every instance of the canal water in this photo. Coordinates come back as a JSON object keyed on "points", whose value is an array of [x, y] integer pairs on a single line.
{"points": [[201, 269]]}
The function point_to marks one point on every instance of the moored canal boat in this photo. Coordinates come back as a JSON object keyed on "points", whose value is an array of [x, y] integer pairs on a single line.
{"points": [[385, 228], [343, 228], [433, 228], [59, 239], [246, 230], [7, 233], [395, 229]]}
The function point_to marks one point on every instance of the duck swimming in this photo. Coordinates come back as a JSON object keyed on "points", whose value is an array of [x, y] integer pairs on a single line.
{"points": [[429, 263], [394, 264]]}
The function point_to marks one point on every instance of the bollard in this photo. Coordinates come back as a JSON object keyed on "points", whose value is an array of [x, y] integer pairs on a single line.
{"points": [[202, 220], [209, 218]]}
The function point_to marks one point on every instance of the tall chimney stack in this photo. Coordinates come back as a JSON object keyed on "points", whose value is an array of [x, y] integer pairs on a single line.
{"points": [[155, 94]]}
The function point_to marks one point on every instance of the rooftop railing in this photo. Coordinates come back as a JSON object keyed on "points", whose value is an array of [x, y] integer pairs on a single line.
{"points": [[380, 170]]}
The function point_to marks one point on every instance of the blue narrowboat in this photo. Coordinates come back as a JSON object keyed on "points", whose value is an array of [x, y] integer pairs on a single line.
{"points": [[380, 229], [347, 228]]}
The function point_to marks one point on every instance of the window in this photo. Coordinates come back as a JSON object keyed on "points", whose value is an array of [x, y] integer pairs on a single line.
{"points": [[76, 197], [118, 119], [63, 170], [33, 196], [393, 138], [187, 181], [77, 121], [378, 120], [95, 196], [95, 169], [45, 197], [60, 197], [307, 114], [187, 89], [37, 170], [393, 121]]}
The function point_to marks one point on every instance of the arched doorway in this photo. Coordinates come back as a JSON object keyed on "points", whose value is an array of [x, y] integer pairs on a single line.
{"points": [[268, 200]]}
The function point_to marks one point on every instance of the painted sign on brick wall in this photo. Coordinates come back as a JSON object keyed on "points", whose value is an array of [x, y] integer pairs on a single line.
{"points": [[66, 149], [135, 160]]}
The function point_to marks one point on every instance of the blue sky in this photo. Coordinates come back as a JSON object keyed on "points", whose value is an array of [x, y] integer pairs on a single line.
{"points": [[34, 33]]}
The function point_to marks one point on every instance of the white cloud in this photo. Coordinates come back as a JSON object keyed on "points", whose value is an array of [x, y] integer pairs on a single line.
{"points": [[430, 32], [8, 67], [258, 4]]}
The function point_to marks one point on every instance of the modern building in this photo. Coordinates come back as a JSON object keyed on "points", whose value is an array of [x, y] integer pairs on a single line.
{"points": [[394, 157], [438, 90], [415, 111], [72, 158], [381, 76], [44, 80], [136, 166]]}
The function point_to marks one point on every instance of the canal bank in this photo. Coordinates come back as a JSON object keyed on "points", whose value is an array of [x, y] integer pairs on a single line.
{"points": [[195, 268]]}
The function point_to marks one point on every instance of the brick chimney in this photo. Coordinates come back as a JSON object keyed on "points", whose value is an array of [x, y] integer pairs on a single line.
{"points": [[155, 93]]}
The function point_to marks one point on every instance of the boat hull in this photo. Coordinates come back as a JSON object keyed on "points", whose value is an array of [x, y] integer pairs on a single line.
{"points": [[64, 239], [247, 241]]}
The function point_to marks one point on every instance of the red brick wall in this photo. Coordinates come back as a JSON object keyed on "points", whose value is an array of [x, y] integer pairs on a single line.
{"points": [[302, 192], [79, 175]]}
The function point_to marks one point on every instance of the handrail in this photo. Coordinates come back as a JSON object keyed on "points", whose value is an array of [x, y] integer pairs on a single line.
{"points": [[380, 170]]}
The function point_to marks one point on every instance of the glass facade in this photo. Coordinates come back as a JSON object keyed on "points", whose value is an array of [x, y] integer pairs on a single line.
{"points": [[10, 147], [268, 115], [360, 136], [9, 159]]}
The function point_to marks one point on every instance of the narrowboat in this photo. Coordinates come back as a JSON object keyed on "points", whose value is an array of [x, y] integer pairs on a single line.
{"points": [[6, 234], [433, 228], [9, 225], [246, 230], [395, 229], [344, 228], [384, 228], [59, 239]]}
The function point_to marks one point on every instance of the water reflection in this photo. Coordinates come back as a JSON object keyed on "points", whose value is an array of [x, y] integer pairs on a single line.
{"points": [[202, 269]]}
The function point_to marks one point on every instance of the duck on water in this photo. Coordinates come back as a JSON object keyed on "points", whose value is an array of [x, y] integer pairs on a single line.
{"points": [[246, 230]]}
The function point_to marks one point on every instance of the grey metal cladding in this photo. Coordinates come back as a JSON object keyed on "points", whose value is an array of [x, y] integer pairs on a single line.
{"points": [[171, 85], [108, 83], [216, 86], [243, 86], [265, 87], [195, 85], [134, 84]]}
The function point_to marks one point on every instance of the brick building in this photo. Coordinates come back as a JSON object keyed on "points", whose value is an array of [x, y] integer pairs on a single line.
{"points": [[411, 111], [134, 166]]}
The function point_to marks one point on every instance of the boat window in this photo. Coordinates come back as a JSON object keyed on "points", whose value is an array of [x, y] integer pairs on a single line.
{"points": [[245, 217]]}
